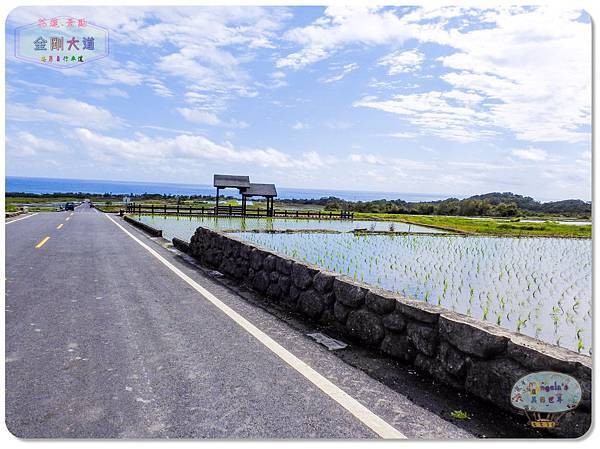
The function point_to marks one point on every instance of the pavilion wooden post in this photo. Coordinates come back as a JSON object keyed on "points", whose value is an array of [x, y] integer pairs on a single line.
{"points": [[247, 190]]}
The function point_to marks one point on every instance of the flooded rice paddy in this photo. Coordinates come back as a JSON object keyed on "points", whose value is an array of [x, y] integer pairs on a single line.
{"points": [[541, 287], [184, 227]]}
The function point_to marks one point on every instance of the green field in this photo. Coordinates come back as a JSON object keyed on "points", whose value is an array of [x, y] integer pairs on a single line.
{"points": [[488, 226]]}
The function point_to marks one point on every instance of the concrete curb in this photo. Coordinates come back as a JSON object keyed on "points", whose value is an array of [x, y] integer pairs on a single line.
{"points": [[181, 245], [14, 214], [144, 227]]}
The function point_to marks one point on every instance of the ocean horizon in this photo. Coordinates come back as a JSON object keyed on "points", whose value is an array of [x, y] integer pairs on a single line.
{"points": [[62, 185]]}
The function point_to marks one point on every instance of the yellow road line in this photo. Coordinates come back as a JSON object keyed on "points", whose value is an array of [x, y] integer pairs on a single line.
{"points": [[362, 413], [44, 240], [59, 226]]}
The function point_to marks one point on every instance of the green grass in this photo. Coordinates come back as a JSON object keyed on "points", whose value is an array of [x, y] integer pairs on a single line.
{"points": [[460, 415], [487, 226], [294, 206], [21, 199], [113, 208]]}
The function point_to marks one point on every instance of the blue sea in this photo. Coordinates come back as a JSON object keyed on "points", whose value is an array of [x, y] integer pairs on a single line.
{"points": [[55, 185]]}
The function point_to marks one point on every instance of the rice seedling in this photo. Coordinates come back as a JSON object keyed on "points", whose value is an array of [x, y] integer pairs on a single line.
{"points": [[541, 287], [488, 278]]}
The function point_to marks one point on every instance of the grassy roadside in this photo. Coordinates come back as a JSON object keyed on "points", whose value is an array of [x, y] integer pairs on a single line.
{"points": [[487, 226]]}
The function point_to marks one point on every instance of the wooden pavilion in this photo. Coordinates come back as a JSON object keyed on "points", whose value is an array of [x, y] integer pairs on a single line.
{"points": [[246, 190]]}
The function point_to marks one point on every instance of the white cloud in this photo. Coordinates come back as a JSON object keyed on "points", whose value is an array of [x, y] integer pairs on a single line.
{"points": [[530, 154], [451, 115], [67, 112], [208, 118], [188, 149], [26, 144], [205, 101], [120, 75], [275, 81], [527, 71], [585, 158], [159, 87], [130, 74], [302, 58], [300, 125], [28, 86], [345, 71], [536, 67], [391, 84], [402, 61], [205, 66], [212, 45], [110, 92], [79, 112], [340, 26], [214, 73], [366, 158], [402, 135], [206, 47], [166, 129], [199, 116], [455, 177], [338, 124], [464, 97], [252, 27], [391, 173]]}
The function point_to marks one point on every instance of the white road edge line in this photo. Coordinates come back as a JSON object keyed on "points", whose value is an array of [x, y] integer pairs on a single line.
{"points": [[19, 219], [362, 413]]}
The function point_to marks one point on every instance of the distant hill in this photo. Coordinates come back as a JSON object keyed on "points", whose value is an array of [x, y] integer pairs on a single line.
{"points": [[567, 206], [526, 203], [499, 204], [495, 198]]}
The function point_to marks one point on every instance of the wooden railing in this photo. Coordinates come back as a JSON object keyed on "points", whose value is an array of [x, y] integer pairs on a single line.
{"points": [[233, 211]]}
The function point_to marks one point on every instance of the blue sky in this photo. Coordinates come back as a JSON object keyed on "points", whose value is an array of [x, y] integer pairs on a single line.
{"points": [[403, 99]]}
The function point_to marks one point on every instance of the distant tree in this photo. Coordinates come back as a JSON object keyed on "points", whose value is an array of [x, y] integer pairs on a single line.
{"points": [[424, 208], [506, 210], [448, 207]]}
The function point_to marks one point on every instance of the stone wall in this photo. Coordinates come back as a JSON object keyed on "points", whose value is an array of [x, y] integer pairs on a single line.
{"points": [[463, 353]]}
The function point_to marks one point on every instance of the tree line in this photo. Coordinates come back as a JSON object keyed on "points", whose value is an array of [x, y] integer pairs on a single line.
{"points": [[494, 204]]}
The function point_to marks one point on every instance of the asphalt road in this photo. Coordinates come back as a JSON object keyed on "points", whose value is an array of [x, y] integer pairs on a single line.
{"points": [[104, 340]]}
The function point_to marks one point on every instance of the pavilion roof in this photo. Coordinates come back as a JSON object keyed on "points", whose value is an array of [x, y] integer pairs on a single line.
{"points": [[233, 181], [261, 190]]}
